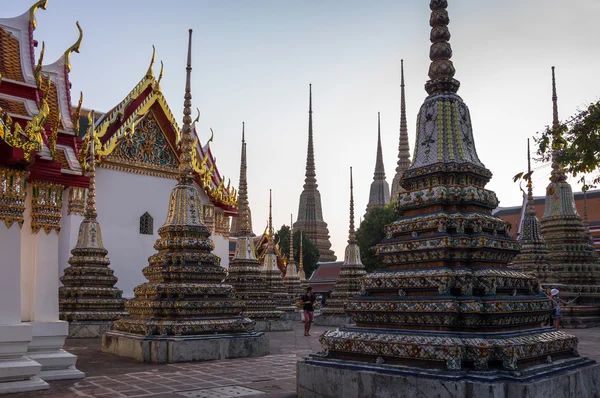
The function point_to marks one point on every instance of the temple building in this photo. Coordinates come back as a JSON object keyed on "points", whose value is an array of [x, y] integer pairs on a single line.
{"points": [[184, 312], [446, 317], [348, 283], [310, 212], [403, 145], [39, 150], [379, 194]]}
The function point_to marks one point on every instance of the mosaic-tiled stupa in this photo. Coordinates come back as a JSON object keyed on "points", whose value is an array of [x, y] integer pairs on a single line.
{"points": [[403, 146], [348, 283], [379, 193], [534, 257], [574, 265], [446, 316], [271, 272], [184, 298], [245, 273], [88, 298], [291, 281]]}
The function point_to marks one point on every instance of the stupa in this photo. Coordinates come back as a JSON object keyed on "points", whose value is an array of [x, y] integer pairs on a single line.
{"points": [[88, 298], [291, 281], [379, 194], [348, 283], [574, 265], [310, 211], [534, 257], [447, 318], [184, 312], [272, 274], [246, 277], [243, 203], [403, 145]]}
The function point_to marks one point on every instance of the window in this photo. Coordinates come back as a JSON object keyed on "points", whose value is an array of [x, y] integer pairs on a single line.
{"points": [[146, 224]]}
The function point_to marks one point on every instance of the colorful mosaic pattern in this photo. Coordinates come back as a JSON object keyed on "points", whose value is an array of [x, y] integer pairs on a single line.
{"points": [[13, 192], [46, 206]]}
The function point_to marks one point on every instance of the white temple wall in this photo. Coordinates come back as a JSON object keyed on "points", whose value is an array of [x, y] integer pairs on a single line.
{"points": [[28, 250], [10, 264]]}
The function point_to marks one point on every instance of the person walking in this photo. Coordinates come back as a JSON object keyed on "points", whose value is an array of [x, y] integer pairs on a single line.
{"points": [[557, 311], [308, 302]]}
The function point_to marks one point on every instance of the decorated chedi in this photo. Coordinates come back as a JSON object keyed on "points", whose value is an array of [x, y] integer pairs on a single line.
{"points": [[272, 273], [237, 229], [348, 283], [379, 194], [88, 298], [301, 273], [245, 271], [447, 317], [534, 257], [403, 145], [575, 270], [291, 281], [184, 312]]}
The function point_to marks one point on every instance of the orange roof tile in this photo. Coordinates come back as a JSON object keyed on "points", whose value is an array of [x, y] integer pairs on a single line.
{"points": [[52, 103], [10, 57], [14, 107], [61, 159]]}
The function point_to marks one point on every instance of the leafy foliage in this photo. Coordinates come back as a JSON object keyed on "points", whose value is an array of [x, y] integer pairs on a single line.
{"points": [[310, 252], [370, 233], [578, 144]]}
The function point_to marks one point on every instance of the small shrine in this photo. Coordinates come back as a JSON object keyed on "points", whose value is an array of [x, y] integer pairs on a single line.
{"points": [[184, 312], [88, 298], [348, 283]]}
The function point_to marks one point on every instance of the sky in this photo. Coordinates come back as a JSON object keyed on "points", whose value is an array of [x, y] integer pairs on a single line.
{"points": [[253, 62]]}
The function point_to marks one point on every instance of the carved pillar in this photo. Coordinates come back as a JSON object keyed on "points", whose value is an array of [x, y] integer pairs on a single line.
{"points": [[208, 216]]}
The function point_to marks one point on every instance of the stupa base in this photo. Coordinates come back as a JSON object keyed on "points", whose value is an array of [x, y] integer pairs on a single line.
{"points": [[329, 378], [173, 349], [580, 316], [273, 325], [88, 330], [332, 320], [291, 316]]}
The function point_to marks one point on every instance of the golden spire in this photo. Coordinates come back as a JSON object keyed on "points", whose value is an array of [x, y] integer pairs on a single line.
{"points": [[291, 255], [185, 162], [32, 10], [351, 234], [38, 68], [74, 48], [557, 174], [150, 72], [90, 209], [441, 70]]}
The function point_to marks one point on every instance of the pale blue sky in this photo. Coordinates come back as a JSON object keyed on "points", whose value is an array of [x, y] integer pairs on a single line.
{"points": [[253, 61]]}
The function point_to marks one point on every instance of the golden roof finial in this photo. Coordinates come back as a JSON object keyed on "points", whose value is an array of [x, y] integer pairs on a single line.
{"points": [[150, 72], [32, 10], [74, 48], [160, 76], [186, 170], [38, 68], [90, 209], [212, 135], [77, 114]]}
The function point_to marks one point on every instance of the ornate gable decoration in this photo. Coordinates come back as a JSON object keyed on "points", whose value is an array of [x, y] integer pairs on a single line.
{"points": [[146, 151]]}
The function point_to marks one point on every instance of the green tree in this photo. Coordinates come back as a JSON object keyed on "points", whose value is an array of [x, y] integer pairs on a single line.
{"points": [[578, 144], [370, 233], [310, 252]]}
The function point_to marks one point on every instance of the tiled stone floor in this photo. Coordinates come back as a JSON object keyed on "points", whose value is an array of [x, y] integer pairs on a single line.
{"points": [[271, 376]]}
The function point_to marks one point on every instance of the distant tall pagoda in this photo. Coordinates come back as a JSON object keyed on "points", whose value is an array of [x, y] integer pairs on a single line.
{"points": [[446, 317], [534, 257], [575, 267], [379, 195], [348, 283], [246, 277], [184, 312], [301, 272], [243, 203], [291, 281], [310, 212], [403, 146], [88, 298]]}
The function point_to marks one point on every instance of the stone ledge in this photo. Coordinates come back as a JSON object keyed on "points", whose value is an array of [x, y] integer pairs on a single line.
{"points": [[291, 316], [273, 325], [88, 330], [325, 378], [173, 349], [332, 320]]}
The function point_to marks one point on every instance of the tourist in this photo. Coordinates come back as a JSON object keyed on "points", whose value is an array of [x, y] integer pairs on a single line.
{"points": [[308, 301], [556, 301]]}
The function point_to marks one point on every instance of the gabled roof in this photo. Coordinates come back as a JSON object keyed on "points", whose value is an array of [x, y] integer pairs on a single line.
{"points": [[324, 277]]}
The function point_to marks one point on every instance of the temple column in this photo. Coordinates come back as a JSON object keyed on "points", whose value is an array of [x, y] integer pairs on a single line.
{"points": [[17, 372], [40, 268]]}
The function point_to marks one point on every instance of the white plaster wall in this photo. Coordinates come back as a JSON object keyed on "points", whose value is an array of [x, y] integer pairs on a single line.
{"points": [[122, 198], [10, 264], [27, 261]]}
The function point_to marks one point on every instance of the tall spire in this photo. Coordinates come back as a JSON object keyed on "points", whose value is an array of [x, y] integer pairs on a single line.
{"points": [[379, 167], [271, 241], [90, 210], [557, 174], [441, 70], [291, 255], [301, 256], [242, 225], [530, 208], [310, 175], [403, 145], [351, 234], [187, 141], [379, 194]]}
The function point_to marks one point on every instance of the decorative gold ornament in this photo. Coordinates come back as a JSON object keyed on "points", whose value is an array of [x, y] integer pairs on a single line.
{"points": [[53, 137], [74, 48], [77, 114], [13, 192], [46, 206], [76, 201], [38, 68], [32, 10]]}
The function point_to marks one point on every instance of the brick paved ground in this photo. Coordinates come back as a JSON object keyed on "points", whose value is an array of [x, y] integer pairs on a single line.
{"points": [[270, 376]]}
